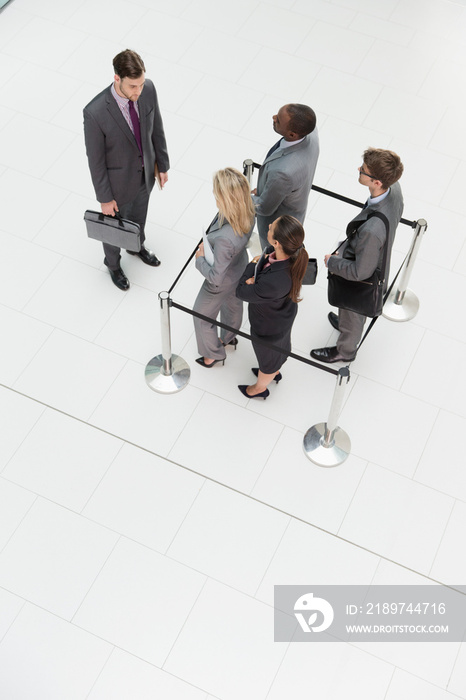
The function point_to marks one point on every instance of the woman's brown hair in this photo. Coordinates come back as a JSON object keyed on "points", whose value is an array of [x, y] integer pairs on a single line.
{"points": [[289, 232]]}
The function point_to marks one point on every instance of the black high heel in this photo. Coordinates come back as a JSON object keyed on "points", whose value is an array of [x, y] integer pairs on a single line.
{"points": [[278, 377], [233, 342], [262, 395], [200, 361]]}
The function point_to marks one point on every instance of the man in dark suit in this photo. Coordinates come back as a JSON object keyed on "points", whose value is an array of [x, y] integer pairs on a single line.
{"points": [[126, 150]]}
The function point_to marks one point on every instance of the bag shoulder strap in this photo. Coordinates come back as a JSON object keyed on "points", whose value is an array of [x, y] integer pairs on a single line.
{"points": [[383, 218]]}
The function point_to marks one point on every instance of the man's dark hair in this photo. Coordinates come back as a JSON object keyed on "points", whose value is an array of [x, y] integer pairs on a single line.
{"points": [[128, 64], [302, 119]]}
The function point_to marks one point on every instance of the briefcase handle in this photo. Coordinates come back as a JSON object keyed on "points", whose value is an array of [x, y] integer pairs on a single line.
{"points": [[117, 215]]}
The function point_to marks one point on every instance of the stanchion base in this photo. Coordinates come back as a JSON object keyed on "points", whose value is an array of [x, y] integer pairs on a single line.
{"points": [[404, 311], [326, 456], [167, 384]]}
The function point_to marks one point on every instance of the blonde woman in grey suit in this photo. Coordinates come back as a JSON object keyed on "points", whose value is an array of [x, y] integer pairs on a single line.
{"points": [[228, 235]]}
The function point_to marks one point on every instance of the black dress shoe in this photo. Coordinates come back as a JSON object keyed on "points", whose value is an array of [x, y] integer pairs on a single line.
{"points": [[201, 361], [263, 394], [233, 342], [278, 377], [329, 355], [147, 256], [333, 318], [119, 279]]}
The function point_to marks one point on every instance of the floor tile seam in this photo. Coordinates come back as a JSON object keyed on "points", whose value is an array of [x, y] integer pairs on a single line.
{"points": [[9, 119], [20, 522], [56, 330], [81, 512], [443, 536], [9, 5], [409, 479], [363, 472], [434, 685], [284, 426], [54, 21], [451, 674], [454, 176], [441, 268], [254, 7], [241, 493], [223, 32], [144, 661], [160, 9], [98, 572], [428, 145], [402, 392], [2, 638], [424, 447], [116, 377], [34, 15], [185, 621], [180, 233], [41, 284], [48, 123], [310, 63], [198, 494], [390, 682], [272, 557], [458, 257], [60, 155], [121, 535], [32, 604], [187, 420], [392, 24], [101, 670], [67, 621], [107, 320], [275, 675], [201, 74], [25, 437]]}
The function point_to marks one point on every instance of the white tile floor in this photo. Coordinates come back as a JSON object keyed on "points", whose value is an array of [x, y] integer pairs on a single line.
{"points": [[141, 535]]}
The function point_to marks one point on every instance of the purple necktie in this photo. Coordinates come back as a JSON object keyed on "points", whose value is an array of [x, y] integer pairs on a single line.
{"points": [[136, 126]]}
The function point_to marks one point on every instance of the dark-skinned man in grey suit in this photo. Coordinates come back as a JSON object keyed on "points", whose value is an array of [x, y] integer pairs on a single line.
{"points": [[126, 149], [286, 175]]}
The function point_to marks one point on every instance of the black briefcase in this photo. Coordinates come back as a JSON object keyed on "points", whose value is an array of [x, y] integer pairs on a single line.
{"points": [[310, 275], [114, 230]]}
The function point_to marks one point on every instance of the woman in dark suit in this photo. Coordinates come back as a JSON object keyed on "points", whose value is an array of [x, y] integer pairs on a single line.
{"points": [[228, 235], [271, 284]]}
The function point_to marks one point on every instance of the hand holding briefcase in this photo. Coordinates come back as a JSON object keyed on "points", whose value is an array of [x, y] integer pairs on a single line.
{"points": [[113, 230]]}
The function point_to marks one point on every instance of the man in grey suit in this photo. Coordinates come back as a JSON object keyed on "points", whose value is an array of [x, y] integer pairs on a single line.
{"points": [[126, 150], [286, 175], [363, 251]]}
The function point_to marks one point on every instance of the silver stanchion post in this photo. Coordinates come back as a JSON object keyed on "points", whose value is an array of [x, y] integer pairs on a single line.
{"points": [[248, 168], [402, 304], [166, 373], [326, 444]]}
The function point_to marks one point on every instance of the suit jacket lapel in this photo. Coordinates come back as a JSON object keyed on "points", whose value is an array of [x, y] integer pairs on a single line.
{"points": [[214, 225], [280, 152], [120, 121], [142, 117]]}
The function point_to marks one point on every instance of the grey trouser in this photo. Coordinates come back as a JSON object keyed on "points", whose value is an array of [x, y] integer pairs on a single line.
{"points": [[351, 326], [210, 303], [136, 210]]}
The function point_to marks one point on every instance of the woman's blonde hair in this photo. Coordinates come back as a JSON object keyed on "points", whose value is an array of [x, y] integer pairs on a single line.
{"points": [[231, 190]]}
